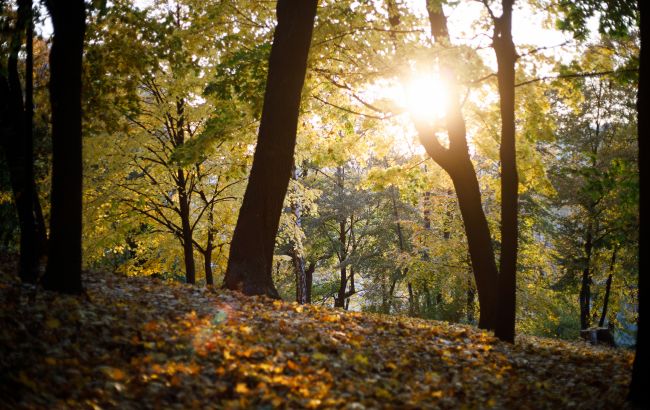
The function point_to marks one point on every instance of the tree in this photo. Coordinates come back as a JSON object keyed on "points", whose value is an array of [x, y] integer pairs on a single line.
{"points": [[16, 119], [638, 391], [63, 272], [251, 250], [455, 160], [174, 150], [506, 55]]}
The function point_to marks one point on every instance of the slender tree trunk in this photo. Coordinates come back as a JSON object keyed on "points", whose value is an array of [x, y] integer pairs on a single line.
{"points": [[506, 55], [188, 245], [471, 295], [296, 251], [585, 286], [207, 256], [608, 288], [40, 232], [339, 301], [456, 162], [63, 271], [412, 307], [638, 394], [251, 250], [17, 142], [309, 278], [479, 241]]}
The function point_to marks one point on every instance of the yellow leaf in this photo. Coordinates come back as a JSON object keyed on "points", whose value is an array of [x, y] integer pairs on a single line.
{"points": [[50, 360], [319, 356], [292, 365], [313, 403], [113, 373], [360, 359], [241, 388], [331, 318]]}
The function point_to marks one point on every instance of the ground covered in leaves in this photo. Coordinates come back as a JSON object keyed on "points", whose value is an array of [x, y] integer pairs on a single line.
{"points": [[141, 343]]}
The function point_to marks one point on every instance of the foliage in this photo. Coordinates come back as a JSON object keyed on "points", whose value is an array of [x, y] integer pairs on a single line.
{"points": [[138, 340]]}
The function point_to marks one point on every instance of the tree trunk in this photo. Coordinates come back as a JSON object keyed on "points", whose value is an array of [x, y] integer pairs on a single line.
{"points": [[638, 394], [17, 142], [456, 162], [188, 245], [251, 250], [40, 232], [585, 286], [608, 288], [296, 251], [471, 295], [506, 55], [339, 300], [63, 271], [309, 278], [207, 256], [479, 241], [412, 308]]}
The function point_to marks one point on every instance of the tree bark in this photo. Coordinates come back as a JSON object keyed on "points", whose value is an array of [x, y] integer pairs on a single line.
{"points": [[638, 394], [506, 55], [251, 251], [63, 271]]}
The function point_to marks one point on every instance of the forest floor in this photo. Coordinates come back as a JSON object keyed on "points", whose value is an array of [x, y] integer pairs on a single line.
{"points": [[141, 343]]}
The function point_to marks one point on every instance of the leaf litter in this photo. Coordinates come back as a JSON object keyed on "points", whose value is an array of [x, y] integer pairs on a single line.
{"points": [[139, 343]]}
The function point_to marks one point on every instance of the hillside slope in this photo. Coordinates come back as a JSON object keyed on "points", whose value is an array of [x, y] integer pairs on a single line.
{"points": [[141, 343]]}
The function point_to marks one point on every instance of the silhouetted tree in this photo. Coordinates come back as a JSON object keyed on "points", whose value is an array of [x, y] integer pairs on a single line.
{"points": [[638, 390], [63, 271], [251, 250], [17, 142]]}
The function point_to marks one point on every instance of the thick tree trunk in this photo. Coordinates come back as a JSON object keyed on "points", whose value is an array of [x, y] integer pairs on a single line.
{"points": [[638, 395], [506, 55], [251, 250], [585, 285], [63, 271]]}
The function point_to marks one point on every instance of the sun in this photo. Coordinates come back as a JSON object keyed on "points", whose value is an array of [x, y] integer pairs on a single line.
{"points": [[426, 98]]}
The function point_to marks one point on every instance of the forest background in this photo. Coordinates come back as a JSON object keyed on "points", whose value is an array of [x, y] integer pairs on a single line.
{"points": [[172, 99]]}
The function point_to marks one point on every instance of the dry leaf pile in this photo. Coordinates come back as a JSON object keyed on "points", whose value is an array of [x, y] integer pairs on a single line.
{"points": [[141, 343]]}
